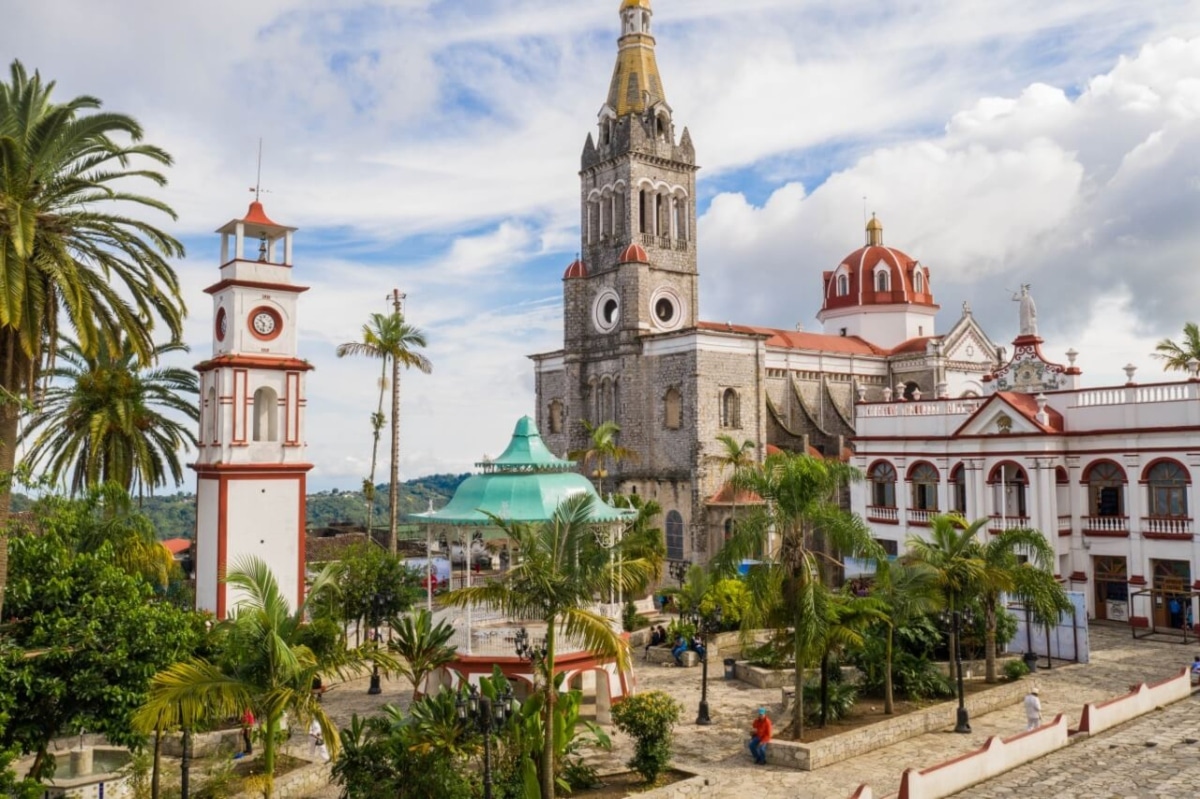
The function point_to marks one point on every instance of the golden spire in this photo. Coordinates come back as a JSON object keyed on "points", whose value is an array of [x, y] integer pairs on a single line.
{"points": [[636, 84], [874, 232]]}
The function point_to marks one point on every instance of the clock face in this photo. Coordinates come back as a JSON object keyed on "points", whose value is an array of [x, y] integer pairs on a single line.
{"points": [[265, 323], [222, 324]]}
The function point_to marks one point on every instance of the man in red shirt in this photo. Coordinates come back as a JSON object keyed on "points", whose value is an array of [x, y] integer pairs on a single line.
{"points": [[761, 737], [247, 726]]}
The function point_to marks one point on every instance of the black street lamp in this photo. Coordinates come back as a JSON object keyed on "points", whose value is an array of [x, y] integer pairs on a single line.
{"points": [[532, 650], [706, 624], [379, 602], [963, 723], [487, 716], [679, 570]]}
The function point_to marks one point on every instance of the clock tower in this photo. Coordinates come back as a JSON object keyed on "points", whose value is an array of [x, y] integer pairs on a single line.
{"points": [[252, 467]]}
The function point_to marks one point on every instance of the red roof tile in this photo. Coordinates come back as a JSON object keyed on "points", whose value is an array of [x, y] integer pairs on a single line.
{"points": [[576, 269], [634, 254], [799, 340], [1026, 405], [913, 345], [258, 216], [727, 496], [177, 546]]}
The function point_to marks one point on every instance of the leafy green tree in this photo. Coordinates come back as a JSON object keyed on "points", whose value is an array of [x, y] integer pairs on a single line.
{"points": [[422, 645], [384, 757], [800, 495], [907, 591], [88, 640], [395, 343], [648, 718], [373, 586], [847, 616], [602, 449], [1176, 355], [107, 418], [562, 567], [265, 663], [70, 257]]}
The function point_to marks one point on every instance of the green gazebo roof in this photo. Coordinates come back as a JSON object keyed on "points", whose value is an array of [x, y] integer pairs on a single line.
{"points": [[525, 484]]}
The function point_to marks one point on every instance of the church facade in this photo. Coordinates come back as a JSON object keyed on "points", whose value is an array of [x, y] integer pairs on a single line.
{"points": [[636, 351]]}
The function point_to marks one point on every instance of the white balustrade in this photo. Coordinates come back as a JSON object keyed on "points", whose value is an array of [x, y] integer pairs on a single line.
{"points": [[1000, 523], [878, 513], [1064, 523], [1106, 524], [1166, 525], [921, 517]]}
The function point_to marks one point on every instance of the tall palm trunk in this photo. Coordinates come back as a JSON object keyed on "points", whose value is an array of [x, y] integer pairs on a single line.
{"points": [[376, 424], [394, 488], [989, 616], [155, 767], [548, 744], [889, 703], [10, 414], [269, 735]]}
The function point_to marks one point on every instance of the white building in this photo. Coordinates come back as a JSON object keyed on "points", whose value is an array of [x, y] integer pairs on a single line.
{"points": [[1105, 473]]}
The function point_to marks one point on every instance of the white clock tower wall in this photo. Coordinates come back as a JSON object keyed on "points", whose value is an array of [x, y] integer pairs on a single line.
{"points": [[252, 465]]}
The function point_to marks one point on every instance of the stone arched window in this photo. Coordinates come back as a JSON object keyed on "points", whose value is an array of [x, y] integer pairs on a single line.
{"points": [[843, 285], [674, 534], [1167, 483], [555, 414], [618, 213], [604, 214], [924, 480], [210, 418], [1106, 489], [606, 401], [731, 408], [266, 415], [882, 477], [958, 489], [672, 409]]}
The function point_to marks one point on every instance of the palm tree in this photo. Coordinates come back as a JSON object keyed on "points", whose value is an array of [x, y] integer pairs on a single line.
{"points": [[954, 556], [1030, 581], [800, 493], [108, 419], [907, 592], [643, 540], [602, 448], [394, 342], [264, 666], [562, 568], [736, 457], [69, 256], [1178, 355], [422, 645], [846, 616]]}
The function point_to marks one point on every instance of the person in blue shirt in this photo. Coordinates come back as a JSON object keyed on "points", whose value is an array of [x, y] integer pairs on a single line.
{"points": [[681, 646]]}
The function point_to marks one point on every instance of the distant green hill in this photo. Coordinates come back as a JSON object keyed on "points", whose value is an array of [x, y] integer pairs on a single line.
{"points": [[174, 515]]}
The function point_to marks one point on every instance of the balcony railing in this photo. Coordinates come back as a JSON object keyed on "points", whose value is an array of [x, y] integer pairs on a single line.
{"points": [[921, 517], [999, 524], [879, 513], [1166, 527], [1064, 523], [1106, 525]]}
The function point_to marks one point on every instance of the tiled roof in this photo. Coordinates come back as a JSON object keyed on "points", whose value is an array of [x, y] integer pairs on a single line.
{"points": [[177, 546], [799, 340]]}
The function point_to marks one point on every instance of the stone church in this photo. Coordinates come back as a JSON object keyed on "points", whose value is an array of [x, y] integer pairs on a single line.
{"points": [[636, 352]]}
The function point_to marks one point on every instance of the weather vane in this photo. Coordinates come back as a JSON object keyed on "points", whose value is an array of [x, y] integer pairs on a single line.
{"points": [[257, 187]]}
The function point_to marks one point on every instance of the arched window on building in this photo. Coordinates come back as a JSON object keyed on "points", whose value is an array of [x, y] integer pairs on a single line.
{"points": [[958, 489], [673, 409], [266, 415], [556, 416], [1009, 483], [882, 281], [618, 214], [606, 401], [924, 480], [918, 281], [1167, 484], [882, 477], [843, 285], [1106, 489], [731, 408], [674, 533]]}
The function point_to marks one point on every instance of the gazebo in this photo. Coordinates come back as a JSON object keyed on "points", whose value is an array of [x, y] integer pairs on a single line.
{"points": [[526, 483]]}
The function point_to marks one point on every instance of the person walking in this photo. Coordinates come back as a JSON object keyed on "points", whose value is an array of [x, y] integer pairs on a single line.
{"points": [[318, 741], [761, 737], [247, 728], [1033, 709]]}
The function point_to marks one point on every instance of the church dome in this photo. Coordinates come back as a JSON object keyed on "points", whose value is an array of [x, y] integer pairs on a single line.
{"points": [[634, 254], [576, 269], [876, 275]]}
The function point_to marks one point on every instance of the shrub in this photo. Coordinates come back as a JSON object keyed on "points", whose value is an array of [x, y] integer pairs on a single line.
{"points": [[732, 596], [914, 676], [630, 618], [648, 718], [774, 654], [842, 696], [684, 628], [1015, 669]]}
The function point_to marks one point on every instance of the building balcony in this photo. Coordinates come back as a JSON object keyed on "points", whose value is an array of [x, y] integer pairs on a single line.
{"points": [[883, 515], [1110, 526], [1064, 525], [999, 524], [1168, 528], [921, 518]]}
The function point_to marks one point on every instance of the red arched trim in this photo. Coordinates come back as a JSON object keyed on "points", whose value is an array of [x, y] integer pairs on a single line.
{"points": [[1157, 461], [1060, 476], [1087, 473], [913, 468], [958, 473], [881, 462], [994, 474]]}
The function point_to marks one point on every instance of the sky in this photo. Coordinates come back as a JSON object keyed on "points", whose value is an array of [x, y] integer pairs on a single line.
{"points": [[433, 147]]}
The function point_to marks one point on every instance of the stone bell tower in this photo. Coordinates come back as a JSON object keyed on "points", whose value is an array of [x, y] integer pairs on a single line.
{"points": [[252, 466]]}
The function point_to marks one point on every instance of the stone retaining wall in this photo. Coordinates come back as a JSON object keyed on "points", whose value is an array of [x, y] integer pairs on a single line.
{"points": [[297, 783], [820, 753], [1097, 718]]}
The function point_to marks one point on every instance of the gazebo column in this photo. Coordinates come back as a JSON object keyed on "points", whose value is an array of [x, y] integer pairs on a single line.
{"points": [[603, 697]]}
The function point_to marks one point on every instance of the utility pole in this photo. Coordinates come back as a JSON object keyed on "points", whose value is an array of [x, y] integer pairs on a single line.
{"points": [[394, 488]]}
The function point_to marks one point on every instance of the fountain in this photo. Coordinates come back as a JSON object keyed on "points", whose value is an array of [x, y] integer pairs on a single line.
{"points": [[87, 771]]}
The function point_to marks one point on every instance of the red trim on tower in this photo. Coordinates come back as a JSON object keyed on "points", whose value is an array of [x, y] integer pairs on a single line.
{"points": [[241, 379], [254, 362], [256, 284], [255, 470]]}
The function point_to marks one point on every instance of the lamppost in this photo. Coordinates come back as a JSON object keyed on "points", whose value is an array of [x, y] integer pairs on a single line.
{"points": [[487, 716], [532, 650], [679, 570], [706, 624], [963, 722], [379, 602]]}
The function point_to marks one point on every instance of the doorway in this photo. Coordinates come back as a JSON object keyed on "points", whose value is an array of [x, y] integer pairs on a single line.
{"points": [[1173, 598], [1112, 587]]}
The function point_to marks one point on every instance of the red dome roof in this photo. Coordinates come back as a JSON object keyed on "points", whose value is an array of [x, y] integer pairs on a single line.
{"points": [[876, 275], [258, 216], [576, 269], [634, 254]]}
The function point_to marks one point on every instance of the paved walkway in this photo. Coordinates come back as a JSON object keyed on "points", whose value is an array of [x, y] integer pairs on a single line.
{"points": [[718, 751]]}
